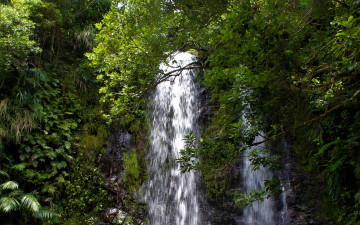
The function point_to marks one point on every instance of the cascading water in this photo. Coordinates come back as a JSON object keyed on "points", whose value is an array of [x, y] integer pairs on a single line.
{"points": [[261, 212], [171, 196], [285, 184]]}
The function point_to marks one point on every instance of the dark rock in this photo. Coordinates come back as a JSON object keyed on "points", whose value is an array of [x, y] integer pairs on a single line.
{"points": [[204, 113], [223, 218], [109, 214], [118, 143], [117, 216]]}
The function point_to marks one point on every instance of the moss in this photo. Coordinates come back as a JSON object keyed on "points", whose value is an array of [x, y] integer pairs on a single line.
{"points": [[132, 171]]}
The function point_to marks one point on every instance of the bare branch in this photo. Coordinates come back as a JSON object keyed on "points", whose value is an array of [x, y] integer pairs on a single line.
{"points": [[172, 73]]}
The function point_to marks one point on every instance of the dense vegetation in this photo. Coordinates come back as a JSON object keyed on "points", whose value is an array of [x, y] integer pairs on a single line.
{"points": [[293, 65], [51, 124]]}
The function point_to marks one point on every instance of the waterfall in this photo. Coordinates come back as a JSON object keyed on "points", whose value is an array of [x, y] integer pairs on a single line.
{"points": [[285, 184], [261, 212], [171, 196]]}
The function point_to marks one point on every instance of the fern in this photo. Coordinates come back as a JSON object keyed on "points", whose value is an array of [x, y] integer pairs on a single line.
{"points": [[44, 214], [328, 145], [30, 202], [9, 185], [14, 193], [8, 204], [20, 166], [4, 174]]}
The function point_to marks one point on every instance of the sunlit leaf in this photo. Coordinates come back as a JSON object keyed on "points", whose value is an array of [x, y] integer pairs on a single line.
{"points": [[9, 185], [30, 202], [8, 204]]}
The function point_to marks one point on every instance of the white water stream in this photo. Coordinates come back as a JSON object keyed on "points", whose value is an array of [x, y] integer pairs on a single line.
{"points": [[170, 195], [261, 212]]}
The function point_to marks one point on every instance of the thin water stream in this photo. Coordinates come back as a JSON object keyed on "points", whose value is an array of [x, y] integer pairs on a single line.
{"points": [[261, 212]]}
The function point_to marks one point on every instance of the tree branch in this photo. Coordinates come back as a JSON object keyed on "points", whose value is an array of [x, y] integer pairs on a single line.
{"points": [[173, 73], [237, 155], [83, 9], [328, 112]]}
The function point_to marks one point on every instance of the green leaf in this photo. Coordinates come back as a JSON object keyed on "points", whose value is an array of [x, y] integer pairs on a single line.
{"points": [[337, 164], [328, 145], [5, 174], [8, 204], [20, 166], [44, 214], [67, 144], [30, 202], [10, 185]]}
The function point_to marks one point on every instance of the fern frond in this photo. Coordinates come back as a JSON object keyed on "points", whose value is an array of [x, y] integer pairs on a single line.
{"points": [[30, 202], [8, 204], [20, 166], [44, 214], [9, 185], [14, 193], [5, 174], [38, 75]]}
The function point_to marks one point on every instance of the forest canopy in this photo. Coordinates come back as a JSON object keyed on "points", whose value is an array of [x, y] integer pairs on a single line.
{"points": [[300, 59], [74, 71]]}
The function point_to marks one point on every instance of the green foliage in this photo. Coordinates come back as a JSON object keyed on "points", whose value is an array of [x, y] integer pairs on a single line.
{"points": [[134, 38], [48, 99], [132, 171], [15, 36], [295, 64], [217, 156], [84, 192], [12, 199], [213, 153], [272, 186], [297, 71], [121, 88], [336, 157], [258, 158]]}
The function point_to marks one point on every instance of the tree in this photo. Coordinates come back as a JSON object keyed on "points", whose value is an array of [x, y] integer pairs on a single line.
{"points": [[15, 36], [294, 63]]}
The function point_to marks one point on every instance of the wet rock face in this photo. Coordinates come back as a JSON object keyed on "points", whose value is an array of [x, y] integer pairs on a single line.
{"points": [[223, 218], [298, 185], [204, 113], [110, 164], [118, 143]]}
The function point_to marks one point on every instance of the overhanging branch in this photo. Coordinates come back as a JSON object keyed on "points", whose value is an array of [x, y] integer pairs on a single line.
{"points": [[237, 155], [173, 73]]}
